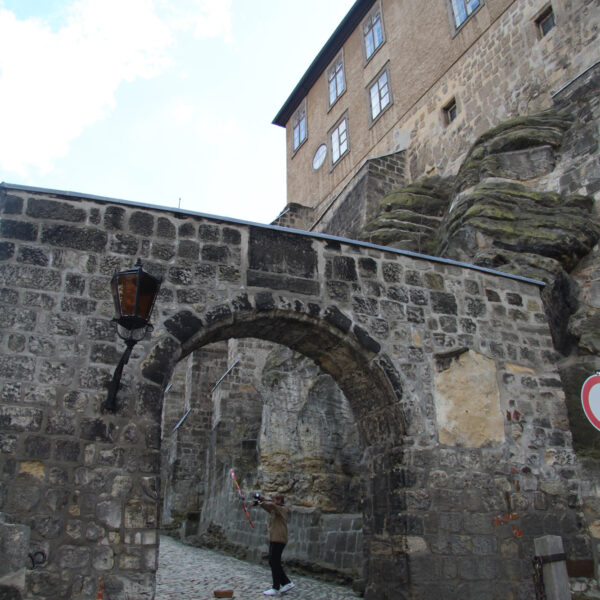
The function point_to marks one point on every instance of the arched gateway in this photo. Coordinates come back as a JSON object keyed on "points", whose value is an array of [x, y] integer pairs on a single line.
{"points": [[449, 370]]}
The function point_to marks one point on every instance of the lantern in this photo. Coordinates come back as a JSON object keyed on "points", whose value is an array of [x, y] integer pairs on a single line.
{"points": [[134, 293]]}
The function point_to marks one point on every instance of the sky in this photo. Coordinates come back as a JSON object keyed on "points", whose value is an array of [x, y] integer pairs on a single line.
{"points": [[163, 102]]}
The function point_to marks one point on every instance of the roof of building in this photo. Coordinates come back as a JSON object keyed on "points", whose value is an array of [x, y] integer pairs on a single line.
{"points": [[355, 15]]}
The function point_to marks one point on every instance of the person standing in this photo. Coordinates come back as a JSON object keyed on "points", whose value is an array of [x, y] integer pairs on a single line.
{"points": [[278, 537]]}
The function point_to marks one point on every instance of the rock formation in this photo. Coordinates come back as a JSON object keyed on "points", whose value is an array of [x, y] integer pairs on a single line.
{"points": [[501, 211]]}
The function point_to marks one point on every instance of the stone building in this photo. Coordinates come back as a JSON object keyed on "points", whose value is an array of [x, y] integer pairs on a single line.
{"points": [[424, 80]]}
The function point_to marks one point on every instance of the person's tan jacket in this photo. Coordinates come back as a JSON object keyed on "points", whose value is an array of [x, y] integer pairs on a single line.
{"points": [[278, 516]]}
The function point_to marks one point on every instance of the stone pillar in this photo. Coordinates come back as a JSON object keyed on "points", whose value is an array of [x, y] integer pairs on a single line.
{"points": [[556, 579]]}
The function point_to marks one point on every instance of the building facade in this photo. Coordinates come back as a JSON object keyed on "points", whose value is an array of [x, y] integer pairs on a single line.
{"points": [[425, 79]]}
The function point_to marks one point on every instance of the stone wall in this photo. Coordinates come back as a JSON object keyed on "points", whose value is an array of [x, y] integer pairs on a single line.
{"points": [[326, 545], [509, 72], [497, 212], [446, 508], [15, 557], [186, 429]]}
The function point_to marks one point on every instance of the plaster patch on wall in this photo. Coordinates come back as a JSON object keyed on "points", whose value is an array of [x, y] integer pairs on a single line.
{"points": [[467, 402]]}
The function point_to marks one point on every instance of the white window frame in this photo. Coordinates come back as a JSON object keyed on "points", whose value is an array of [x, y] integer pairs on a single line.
{"points": [[336, 82], [379, 92], [461, 11], [299, 127], [373, 32], [339, 140]]}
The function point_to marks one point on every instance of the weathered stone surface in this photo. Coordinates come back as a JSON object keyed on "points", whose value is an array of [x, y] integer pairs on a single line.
{"points": [[163, 354], [73, 557], [97, 429], [545, 130], [335, 317], [18, 230], [410, 218], [282, 253], [14, 418], [109, 514], [141, 223], [292, 441], [510, 216], [11, 204], [73, 237], [181, 324], [467, 402], [52, 210], [165, 228]]}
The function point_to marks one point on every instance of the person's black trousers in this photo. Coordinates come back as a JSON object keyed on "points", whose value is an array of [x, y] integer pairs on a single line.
{"points": [[279, 577]]}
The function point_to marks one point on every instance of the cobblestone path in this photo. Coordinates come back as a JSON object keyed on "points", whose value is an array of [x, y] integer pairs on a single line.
{"points": [[188, 573]]}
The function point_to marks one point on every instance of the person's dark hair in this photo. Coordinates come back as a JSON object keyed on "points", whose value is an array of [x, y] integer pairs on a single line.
{"points": [[279, 496]]}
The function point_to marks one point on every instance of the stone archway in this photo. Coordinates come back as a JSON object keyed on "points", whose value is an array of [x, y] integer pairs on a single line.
{"points": [[369, 381], [371, 385]]}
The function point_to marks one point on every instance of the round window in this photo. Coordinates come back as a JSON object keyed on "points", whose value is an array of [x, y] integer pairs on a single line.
{"points": [[319, 157]]}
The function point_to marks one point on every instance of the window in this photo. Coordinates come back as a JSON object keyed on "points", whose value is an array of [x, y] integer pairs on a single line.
{"points": [[463, 9], [380, 94], [319, 157], [299, 126], [545, 22], [339, 140], [450, 111], [373, 32], [335, 80]]}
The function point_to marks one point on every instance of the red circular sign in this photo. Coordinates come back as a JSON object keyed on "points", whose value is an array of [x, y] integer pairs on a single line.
{"points": [[590, 399]]}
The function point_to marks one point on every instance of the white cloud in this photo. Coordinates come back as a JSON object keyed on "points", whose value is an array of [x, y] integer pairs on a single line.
{"points": [[205, 123], [183, 111], [205, 18], [54, 84]]}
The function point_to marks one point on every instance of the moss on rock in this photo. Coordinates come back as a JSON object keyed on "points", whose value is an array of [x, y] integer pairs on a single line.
{"points": [[409, 218], [519, 219], [527, 132]]}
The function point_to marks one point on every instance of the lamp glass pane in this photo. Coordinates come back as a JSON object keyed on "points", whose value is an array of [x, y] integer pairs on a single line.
{"points": [[148, 291], [127, 293], [114, 286]]}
